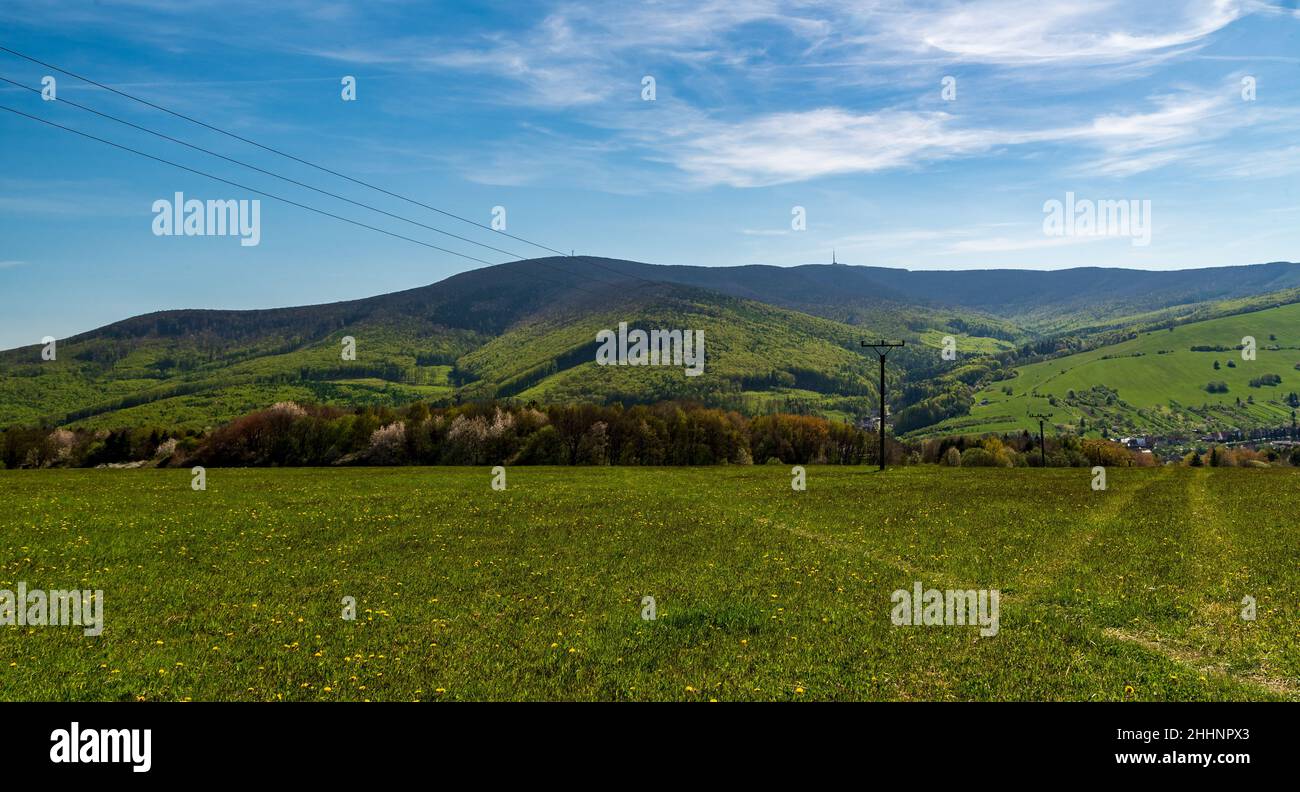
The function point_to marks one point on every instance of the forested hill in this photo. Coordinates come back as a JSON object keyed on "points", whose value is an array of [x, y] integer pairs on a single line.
{"points": [[777, 338]]}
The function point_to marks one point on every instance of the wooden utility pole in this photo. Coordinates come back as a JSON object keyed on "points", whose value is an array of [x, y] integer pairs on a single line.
{"points": [[882, 349], [1042, 443]]}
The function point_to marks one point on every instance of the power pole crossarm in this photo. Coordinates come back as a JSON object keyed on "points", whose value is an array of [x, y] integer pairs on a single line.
{"points": [[882, 349]]}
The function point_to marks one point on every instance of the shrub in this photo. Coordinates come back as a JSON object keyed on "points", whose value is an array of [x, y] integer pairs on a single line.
{"points": [[542, 447], [388, 444]]}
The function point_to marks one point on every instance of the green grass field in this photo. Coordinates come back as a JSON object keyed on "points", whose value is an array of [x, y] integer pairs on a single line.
{"points": [[762, 592], [1160, 381]]}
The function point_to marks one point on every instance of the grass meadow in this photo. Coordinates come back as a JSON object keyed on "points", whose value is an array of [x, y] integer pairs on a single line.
{"points": [[762, 592], [1151, 372]]}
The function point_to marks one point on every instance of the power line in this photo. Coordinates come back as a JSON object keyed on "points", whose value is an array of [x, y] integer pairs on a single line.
{"points": [[146, 102], [273, 196], [264, 171], [275, 150]]}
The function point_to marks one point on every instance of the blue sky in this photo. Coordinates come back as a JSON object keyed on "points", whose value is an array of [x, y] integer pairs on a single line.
{"points": [[760, 107]]}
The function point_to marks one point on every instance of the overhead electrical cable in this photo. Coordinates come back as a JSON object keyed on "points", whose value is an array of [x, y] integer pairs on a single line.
{"points": [[308, 163], [272, 196]]}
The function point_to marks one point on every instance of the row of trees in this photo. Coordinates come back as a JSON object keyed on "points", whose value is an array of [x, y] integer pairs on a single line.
{"points": [[1022, 450], [1240, 457], [22, 447], [490, 433]]}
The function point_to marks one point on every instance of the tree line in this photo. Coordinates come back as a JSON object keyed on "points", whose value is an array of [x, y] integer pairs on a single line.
{"points": [[481, 433], [504, 433]]}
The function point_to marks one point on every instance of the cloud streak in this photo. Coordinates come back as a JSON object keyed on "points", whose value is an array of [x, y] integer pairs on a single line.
{"points": [[1028, 31], [783, 148]]}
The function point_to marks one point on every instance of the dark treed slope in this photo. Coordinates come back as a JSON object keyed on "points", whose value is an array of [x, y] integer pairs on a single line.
{"points": [[777, 338], [1029, 297]]}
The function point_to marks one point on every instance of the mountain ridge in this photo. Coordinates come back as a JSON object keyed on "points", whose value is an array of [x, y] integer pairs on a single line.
{"points": [[931, 288], [778, 338]]}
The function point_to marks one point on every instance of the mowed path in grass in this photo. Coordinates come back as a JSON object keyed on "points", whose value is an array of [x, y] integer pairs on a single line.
{"points": [[762, 592]]}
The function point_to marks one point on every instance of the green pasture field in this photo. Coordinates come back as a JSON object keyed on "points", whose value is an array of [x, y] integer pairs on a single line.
{"points": [[762, 592], [1156, 372]]}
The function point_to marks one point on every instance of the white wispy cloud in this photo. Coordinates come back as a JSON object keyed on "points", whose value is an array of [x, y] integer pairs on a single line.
{"points": [[591, 56], [782, 148], [580, 52], [1178, 128], [585, 53], [583, 61], [969, 238], [1030, 31]]}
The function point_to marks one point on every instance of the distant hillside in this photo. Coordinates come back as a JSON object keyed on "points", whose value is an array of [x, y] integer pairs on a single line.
{"points": [[515, 331], [1065, 298], [1188, 379], [776, 338], [1041, 300]]}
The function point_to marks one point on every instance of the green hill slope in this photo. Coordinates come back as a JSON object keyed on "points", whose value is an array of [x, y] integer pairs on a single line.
{"points": [[776, 338], [198, 369], [1155, 382], [752, 350]]}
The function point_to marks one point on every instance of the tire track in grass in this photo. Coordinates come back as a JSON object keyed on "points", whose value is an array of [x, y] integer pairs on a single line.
{"points": [[1199, 663], [1066, 555], [897, 664], [1215, 612], [957, 664], [945, 664], [855, 547], [1051, 646]]}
